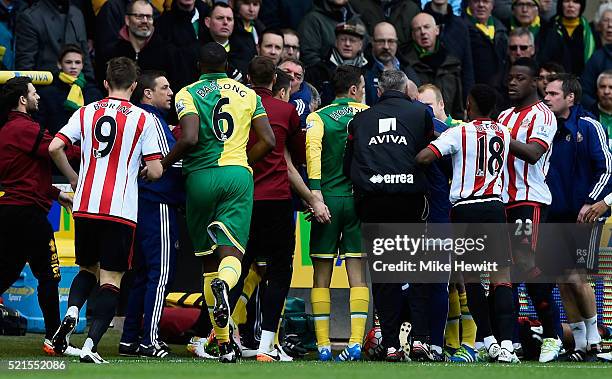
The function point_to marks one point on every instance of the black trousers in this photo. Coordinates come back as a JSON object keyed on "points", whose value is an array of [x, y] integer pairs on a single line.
{"points": [[390, 209], [271, 238], [27, 237]]}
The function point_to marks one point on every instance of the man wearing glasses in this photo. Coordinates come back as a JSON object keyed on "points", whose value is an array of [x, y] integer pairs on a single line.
{"points": [[384, 49], [138, 40], [526, 14], [291, 47], [520, 44]]}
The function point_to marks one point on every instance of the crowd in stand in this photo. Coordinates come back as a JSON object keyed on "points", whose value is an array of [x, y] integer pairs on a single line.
{"points": [[450, 44]]}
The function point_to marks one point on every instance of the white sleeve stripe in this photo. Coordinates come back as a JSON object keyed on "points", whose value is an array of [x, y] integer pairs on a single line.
{"points": [[299, 106], [161, 137], [605, 177]]}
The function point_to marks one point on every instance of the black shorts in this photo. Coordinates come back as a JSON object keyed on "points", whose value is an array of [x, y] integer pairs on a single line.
{"points": [[489, 219], [272, 233], [526, 217], [27, 236], [108, 242], [568, 246]]}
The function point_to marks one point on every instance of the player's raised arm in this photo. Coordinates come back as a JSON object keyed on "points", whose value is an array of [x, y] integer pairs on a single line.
{"points": [[57, 153], [447, 143], [190, 125], [265, 139], [529, 152], [426, 156]]}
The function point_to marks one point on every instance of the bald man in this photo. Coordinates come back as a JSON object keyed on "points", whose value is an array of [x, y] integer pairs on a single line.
{"points": [[384, 49], [434, 64]]}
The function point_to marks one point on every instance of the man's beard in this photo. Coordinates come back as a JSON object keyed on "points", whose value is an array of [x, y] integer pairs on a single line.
{"points": [[141, 33], [31, 107], [385, 58]]}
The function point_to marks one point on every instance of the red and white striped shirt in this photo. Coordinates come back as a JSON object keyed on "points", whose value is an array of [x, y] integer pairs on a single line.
{"points": [[479, 150], [526, 182], [115, 136]]}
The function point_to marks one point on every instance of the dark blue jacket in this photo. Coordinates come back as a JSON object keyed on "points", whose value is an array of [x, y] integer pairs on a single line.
{"points": [[169, 189], [374, 69], [301, 99], [438, 175], [580, 169]]}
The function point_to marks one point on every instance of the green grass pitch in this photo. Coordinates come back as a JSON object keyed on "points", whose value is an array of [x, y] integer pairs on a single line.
{"points": [[183, 366]]}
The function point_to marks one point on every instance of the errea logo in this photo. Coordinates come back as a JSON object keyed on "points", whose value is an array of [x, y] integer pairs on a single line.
{"points": [[392, 179]]}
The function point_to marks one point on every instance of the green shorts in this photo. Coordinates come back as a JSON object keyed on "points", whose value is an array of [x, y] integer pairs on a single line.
{"points": [[342, 237], [219, 207]]}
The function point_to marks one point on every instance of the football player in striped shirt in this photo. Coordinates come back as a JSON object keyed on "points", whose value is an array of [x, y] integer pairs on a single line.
{"points": [[532, 126], [115, 137], [479, 150]]}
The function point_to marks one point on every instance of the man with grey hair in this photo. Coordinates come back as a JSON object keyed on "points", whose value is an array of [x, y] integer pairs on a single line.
{"points": [[520, 44], [383, 184], [603, 108]]}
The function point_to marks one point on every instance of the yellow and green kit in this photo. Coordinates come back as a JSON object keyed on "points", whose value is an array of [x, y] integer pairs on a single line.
{"points": [[326, 135], [219, 181]]}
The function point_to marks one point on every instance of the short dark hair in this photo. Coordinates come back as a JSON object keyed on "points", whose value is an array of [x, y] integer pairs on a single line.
{"points": [[569, 84], [70, 48], [530, 63], [146, 80], [345, 77], [271, 31], [218, 4], [213, 57], [237, 2], [121, 73], [553, 67], [283, 80], [261, 71], [289, 31], [485, 98], [12, 90], [129, 8]]}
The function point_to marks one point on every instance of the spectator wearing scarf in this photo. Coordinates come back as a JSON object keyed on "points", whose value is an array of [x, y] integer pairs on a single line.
{"points": [[68, 92], [569, 40], [488, 41], [348, 50]]}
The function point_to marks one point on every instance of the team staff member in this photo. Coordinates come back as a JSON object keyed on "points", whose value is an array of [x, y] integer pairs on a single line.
{"points": [[157, 231], [216, 115], [272, 234], [405, 134], [25, 175], [580, 144], [326, 135]]}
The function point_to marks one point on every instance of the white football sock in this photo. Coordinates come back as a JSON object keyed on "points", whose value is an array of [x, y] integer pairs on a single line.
{"points": [[592, 333], [579, 332], [267, 339]]}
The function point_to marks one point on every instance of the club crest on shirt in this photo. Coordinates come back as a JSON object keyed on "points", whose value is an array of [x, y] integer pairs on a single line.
{"points": [[309, 125], [525, 124], [180, 106], [579, 137]]}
